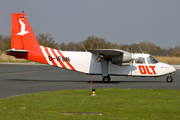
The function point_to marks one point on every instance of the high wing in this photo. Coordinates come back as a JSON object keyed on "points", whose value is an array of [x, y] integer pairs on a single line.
{"points": [[113, 55], [107, 52]]}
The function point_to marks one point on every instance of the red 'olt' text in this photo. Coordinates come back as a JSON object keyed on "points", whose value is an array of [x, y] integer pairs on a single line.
{"points": [[147, 70]]}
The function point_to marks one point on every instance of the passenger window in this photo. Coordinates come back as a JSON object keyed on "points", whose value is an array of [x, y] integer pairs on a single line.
{"points": [[140, 60]]}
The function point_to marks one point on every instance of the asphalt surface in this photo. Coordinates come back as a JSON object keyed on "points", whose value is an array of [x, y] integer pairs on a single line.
{"points": [[16, 79]]}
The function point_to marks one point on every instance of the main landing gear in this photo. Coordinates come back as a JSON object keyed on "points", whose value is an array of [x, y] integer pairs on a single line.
{"points": [[106, 79], [169, 79]]}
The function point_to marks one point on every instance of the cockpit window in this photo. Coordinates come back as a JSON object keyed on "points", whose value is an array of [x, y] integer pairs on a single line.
{"points": [[151, 60], [140, 60]]}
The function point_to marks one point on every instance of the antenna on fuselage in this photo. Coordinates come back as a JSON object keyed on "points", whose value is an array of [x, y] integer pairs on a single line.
{"points": [[140, 49], [84, 48], [133, 48], [57, 47]]}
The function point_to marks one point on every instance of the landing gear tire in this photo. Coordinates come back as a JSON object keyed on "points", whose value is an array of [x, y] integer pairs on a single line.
{"points": [[169, 79], [106, 79]]}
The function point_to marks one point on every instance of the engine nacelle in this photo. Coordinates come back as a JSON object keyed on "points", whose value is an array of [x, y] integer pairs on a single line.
{"points": [[123, 58]]}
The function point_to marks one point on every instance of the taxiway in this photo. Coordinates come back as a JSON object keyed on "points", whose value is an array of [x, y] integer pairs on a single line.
{"points": [[16, 79]]}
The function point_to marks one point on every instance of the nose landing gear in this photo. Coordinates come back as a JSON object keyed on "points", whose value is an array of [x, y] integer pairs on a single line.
{"points": [[169, 79]]}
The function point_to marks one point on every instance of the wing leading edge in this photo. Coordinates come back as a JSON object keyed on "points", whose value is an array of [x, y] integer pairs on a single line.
{"points": [[107, 52]]}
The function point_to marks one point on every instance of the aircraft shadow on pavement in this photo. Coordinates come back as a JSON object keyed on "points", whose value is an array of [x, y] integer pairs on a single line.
{"points": [[84, 81]]}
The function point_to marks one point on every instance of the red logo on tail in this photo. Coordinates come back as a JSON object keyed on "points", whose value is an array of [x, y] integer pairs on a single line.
{"points": [[22, 32]]}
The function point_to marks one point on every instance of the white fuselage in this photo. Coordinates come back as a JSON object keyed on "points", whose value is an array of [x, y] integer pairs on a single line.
{"points": [[86, 62]]}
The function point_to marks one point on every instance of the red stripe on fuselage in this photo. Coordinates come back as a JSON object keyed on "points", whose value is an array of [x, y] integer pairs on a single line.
{"points": [[66, 61], [53, 62], [62, 64]]}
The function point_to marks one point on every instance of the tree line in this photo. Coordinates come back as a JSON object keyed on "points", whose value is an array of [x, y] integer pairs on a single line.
{"points": [[93, 42]]}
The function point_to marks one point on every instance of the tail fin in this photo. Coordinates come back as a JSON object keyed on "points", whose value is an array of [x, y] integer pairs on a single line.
{"points": [[22, 37], [23, 41], [25, 45]]}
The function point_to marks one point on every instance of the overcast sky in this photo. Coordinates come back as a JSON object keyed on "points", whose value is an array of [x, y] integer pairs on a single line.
{"points": [[117, 21]]}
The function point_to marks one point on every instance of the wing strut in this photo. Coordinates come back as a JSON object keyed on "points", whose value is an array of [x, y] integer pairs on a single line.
{"points": [[104, 69]]}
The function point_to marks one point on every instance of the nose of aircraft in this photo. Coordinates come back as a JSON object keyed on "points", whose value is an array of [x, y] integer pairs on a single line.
{"points": [[167, 69], [171, 69]]}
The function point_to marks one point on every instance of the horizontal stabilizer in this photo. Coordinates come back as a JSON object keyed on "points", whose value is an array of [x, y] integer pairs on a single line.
{"points": [[16, 51]]}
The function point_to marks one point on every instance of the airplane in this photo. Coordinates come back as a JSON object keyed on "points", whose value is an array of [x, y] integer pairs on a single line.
{"points": [[104, 62]]}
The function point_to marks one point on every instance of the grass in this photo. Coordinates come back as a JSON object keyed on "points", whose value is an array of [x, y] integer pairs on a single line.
{"points": [[115, 104], [168, 60]]}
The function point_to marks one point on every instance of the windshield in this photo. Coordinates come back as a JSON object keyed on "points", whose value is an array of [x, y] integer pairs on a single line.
{"points": [[151, 60]]}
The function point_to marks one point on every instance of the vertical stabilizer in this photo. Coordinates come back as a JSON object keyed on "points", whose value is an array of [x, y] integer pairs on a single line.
{"points": [[22, 36], [25, 45]]}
